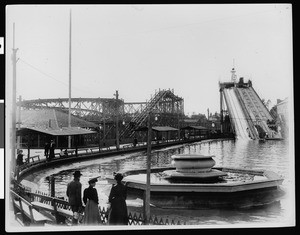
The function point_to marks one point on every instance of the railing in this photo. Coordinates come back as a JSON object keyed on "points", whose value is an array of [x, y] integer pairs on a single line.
{"points": [[25, 212], [94, 152], [60, 209], [62, 214]]}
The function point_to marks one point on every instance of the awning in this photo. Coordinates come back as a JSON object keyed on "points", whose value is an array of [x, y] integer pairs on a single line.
{"points": [[193, 127], [62, 131], [164, 128], [157, 128]]}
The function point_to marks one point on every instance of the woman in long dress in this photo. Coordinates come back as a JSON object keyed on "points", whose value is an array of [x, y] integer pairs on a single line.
{"points": [[118, 211], [90, 199]]}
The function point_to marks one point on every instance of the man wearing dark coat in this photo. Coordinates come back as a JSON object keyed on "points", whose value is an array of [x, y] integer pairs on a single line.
{"points": [[74, 194], [52, 148], [46, 148], [20, 158], [118, 211]]}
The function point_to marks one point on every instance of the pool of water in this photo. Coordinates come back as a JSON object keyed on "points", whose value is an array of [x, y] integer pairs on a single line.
{"points": [[269, 155]]}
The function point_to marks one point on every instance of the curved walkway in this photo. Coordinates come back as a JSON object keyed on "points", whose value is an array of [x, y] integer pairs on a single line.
{"points": [[89, 153], [40, 162]]}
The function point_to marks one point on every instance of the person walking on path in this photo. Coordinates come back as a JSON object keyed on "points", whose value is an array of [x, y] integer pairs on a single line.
{"points": [[20, 158], [52, 148], [46, 148], [118, 211], [90, 199], [74, 194]]}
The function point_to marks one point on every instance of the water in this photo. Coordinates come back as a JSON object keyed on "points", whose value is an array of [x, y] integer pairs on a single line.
{"points": [[270, 155]]}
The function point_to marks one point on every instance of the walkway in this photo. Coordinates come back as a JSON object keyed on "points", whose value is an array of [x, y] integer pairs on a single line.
{"points": [[38, 160]]}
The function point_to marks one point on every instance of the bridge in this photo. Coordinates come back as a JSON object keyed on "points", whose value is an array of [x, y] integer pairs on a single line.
{"points": [[249, 117]]}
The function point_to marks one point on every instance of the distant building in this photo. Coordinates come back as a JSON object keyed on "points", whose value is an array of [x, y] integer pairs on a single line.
{"points": [[190, 121], [282, 117], [36, 127]]}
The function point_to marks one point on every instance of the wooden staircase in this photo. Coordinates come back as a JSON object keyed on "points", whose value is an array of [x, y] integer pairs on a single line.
{"points": [[139, 120]]}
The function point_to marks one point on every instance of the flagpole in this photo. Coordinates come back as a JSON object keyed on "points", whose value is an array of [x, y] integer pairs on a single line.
{"points": [[70, 70], [14, 91]]}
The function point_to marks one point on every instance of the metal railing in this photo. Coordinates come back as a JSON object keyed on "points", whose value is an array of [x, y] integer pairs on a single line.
{"points": [[61, 211]]}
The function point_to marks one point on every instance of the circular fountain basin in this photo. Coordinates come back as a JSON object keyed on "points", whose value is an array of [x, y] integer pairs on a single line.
{"points": [[239, 188]]}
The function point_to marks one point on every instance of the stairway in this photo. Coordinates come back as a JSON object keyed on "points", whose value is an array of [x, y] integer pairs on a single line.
{"points": [[139, 119]]}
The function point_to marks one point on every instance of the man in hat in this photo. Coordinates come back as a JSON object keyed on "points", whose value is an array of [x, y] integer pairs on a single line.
{"points": [[74, 194], [52, 150]]}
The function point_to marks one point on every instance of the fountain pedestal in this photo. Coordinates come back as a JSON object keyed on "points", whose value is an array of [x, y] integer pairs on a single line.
{"points": [[193, 167]]}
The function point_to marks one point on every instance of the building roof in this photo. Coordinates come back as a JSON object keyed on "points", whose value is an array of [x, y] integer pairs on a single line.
{"points": [[191, 120], [164, 128], [194, 127], [62, 131], [157, 128], [51, 118]]}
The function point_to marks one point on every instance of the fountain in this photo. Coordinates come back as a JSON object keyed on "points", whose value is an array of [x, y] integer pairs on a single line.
{"points": [[194, 182], [193, 167]]}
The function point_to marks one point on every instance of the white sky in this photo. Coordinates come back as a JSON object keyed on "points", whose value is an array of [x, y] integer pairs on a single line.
{"points": [[137, 49]]}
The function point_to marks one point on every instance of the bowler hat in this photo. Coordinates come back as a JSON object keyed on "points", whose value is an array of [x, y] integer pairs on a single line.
{"points": [[77, 173], [118, 177], [93, 180]]}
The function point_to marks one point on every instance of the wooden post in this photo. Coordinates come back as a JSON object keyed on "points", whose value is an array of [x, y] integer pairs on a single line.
{"points": [[100, 129], [19, 123], [28, 151], [70, 76], [221, 110], [38, 143], [13, 106], [117, 121], [21, 209], [148, 183], [52, 186]]}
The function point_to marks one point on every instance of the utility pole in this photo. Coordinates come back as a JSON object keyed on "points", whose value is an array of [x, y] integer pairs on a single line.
{"points": [[13, 112], [178, 120], [148, 183], [19, 123], [208, 114], [70, 70], [117, 121], [221, 109]]}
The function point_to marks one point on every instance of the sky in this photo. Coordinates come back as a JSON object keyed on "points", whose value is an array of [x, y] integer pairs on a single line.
{"points": [[137, 49]]}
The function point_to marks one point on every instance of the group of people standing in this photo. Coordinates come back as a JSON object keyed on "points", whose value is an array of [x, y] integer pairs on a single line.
{"points": [[117, 214], [49, 150]]}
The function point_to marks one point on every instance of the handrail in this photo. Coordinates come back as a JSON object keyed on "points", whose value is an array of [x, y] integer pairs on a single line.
{"points": [[134, 218]]}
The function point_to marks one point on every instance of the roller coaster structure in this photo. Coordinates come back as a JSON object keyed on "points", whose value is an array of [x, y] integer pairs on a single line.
{"points": [[106, 112]]}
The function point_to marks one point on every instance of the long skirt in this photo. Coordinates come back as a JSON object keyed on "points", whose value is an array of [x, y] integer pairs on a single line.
{"points": [[118, 212], [91, 213]]}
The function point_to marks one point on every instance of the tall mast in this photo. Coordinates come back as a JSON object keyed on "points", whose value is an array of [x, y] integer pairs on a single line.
{"points": [[233, 76], [70, 57], [13, 112]]}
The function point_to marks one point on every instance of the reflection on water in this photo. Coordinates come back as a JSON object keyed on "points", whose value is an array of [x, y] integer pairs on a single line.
{"points": [[270, 155]]}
